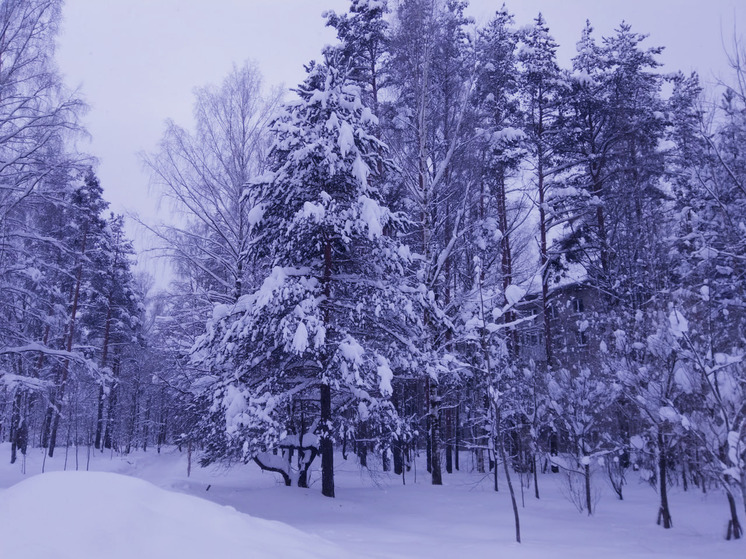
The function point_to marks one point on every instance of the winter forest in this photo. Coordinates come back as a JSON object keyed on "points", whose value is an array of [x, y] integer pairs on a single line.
{"points": [[441, 249]]}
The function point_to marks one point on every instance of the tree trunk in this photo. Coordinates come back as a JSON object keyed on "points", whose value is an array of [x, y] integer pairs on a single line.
{"points": [[588, 500], [513, 501], [434, 435], [449, 441], [734, 526], [544, 257], [56, 412], [385, 460], [304, 465], [101, 391], [428, 427], [109, 427], [664, 514], [554, 450], [15, 423], [362, 445], [398, 459], [743, 489], [146, 425], [326, 445], [100, 418], [457, 441]]}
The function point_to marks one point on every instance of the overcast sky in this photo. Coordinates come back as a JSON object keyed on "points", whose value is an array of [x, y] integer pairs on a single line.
{"points": [[138, 61]]}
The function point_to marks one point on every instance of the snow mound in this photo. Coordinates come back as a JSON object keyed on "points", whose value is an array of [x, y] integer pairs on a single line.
{"points": [[85, 515]]}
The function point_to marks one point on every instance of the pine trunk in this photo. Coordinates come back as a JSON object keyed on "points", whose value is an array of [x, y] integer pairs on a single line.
{"points": [[326, 444], [588, 499], [434, 435], [15, 423], [100, 418], [101, 391], [56, 410]]}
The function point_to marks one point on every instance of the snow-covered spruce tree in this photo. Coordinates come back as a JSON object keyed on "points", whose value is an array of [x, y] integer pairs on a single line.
{"points": [[81, 231], [487, 253], [113, 314], [313, 348], [615, 219], [362, 49]]}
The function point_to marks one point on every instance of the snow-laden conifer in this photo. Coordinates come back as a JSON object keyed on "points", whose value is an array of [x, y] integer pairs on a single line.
{"points": [[315, 346]]}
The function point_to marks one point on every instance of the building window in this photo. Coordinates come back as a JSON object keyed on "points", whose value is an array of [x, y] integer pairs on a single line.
{"points": [[581, 338], [577, 305]]}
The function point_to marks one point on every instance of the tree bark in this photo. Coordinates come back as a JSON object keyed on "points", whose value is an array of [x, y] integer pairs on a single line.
{"points": [[100, 418], [15, 422], [326, 445], [513, 501], [449, 441], [56, 410], [398, 459], [587, 476], [734, 526], [101, 391], [109, 427], [664, 514], [434, 435]]}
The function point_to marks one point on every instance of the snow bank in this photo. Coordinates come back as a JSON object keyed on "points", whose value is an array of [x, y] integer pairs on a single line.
{"points": [[85, 515]]}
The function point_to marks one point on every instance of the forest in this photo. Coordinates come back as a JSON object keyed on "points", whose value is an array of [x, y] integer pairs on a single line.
{"points": [[441, 244]]}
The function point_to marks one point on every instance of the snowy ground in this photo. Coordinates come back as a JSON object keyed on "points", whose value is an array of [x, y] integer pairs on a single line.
{"points": [[90, 515]]}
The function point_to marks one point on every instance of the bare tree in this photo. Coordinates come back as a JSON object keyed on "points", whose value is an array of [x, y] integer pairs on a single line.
{"points": [[35, 110], [205, 175], [37, 116]]}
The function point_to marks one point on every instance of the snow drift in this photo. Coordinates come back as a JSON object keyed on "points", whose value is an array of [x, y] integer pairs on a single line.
{"points": [[85, 515]]}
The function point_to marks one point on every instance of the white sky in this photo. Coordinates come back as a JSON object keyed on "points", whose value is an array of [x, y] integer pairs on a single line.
{"points": [[138, 61]]}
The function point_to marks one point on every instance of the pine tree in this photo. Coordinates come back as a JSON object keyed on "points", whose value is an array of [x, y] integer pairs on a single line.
{"points": [[495, 243], [363, 44], [82, 231], [541, 94], [315, 346], [615, 215], [431, 71], [615, 126], [114, 313]]}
